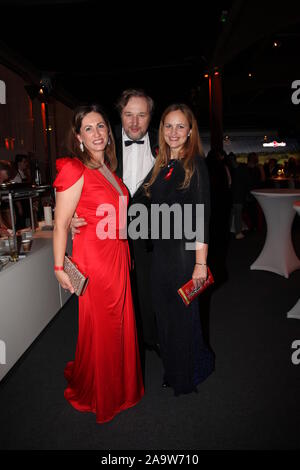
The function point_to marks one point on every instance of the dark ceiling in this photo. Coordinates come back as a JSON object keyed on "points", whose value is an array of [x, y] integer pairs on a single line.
{"points": [[92, 51]]}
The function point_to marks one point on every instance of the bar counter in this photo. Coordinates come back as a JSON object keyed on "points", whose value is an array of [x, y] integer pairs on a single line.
{"points": [[30, 297]]}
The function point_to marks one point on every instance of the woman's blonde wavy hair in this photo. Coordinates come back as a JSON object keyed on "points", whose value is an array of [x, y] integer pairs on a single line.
{"points": [[191, 148]]}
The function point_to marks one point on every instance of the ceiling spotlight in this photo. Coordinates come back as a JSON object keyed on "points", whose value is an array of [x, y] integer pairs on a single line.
{"points": [[276, 44], [250, 75], [206, 75], [46, 84]]}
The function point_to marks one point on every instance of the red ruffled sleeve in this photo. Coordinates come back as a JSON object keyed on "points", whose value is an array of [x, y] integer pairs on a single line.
{"points": [[69, 171]]}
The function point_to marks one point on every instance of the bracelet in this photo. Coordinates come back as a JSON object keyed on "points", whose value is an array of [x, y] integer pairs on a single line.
{"points": [[58, 268], [202, 264]]}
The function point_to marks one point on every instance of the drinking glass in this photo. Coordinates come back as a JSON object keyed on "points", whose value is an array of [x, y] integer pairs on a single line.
{"points": [[13, 249]]}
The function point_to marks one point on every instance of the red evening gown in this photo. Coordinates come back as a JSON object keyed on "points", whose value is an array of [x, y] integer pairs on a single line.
{"points": [[105, 377]]}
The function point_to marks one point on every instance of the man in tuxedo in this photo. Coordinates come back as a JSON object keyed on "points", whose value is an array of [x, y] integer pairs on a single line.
{"points": [[136, 147]]}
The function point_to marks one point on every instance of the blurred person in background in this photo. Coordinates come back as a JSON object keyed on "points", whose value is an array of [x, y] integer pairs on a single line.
{"points": [[256, 180], [220, 195], [239, 184]]}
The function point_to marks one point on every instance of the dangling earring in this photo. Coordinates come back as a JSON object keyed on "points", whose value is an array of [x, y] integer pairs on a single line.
{"points": [[189, 134], [81, 146], [108, 142]]}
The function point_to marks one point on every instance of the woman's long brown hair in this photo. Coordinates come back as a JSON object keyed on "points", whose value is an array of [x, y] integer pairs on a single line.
{"points": [[85, 157], [190, 150]]}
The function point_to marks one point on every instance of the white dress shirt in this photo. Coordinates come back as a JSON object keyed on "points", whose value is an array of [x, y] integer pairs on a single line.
{"points": [[20, 177], [137, 162]]}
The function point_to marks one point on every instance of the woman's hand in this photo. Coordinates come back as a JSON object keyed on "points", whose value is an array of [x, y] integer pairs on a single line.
{"points": [[199, 275], [64, 281]]}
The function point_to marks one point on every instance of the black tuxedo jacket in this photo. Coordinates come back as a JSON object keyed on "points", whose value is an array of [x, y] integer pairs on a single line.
{"points": [[139, 195]]}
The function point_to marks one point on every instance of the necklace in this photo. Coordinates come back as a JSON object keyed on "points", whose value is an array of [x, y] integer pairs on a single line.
{"points": [[172, 162]]}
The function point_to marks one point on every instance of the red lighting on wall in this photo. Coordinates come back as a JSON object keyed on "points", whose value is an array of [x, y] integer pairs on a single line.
{"points": [[30, 108], [9, 143], [43, 113]]}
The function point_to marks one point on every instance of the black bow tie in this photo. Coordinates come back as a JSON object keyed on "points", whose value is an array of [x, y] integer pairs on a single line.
{"points": [[130, 142]]}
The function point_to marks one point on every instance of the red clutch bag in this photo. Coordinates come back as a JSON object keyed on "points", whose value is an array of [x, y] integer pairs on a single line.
{"points": [[188, 292]]}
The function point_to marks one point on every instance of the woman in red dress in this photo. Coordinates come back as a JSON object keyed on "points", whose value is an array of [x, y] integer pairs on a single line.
{"points": [[105, 376]]}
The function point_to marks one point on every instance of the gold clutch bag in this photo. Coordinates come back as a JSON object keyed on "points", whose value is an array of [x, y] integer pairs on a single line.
{"points": [[78, 280]]}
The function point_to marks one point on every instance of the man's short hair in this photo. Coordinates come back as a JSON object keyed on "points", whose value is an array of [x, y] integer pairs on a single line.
{"points": [[19, 157], [133, 93]]}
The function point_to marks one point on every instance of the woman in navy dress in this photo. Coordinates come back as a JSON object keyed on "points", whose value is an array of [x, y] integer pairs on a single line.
{"points": [[180, 177]]}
